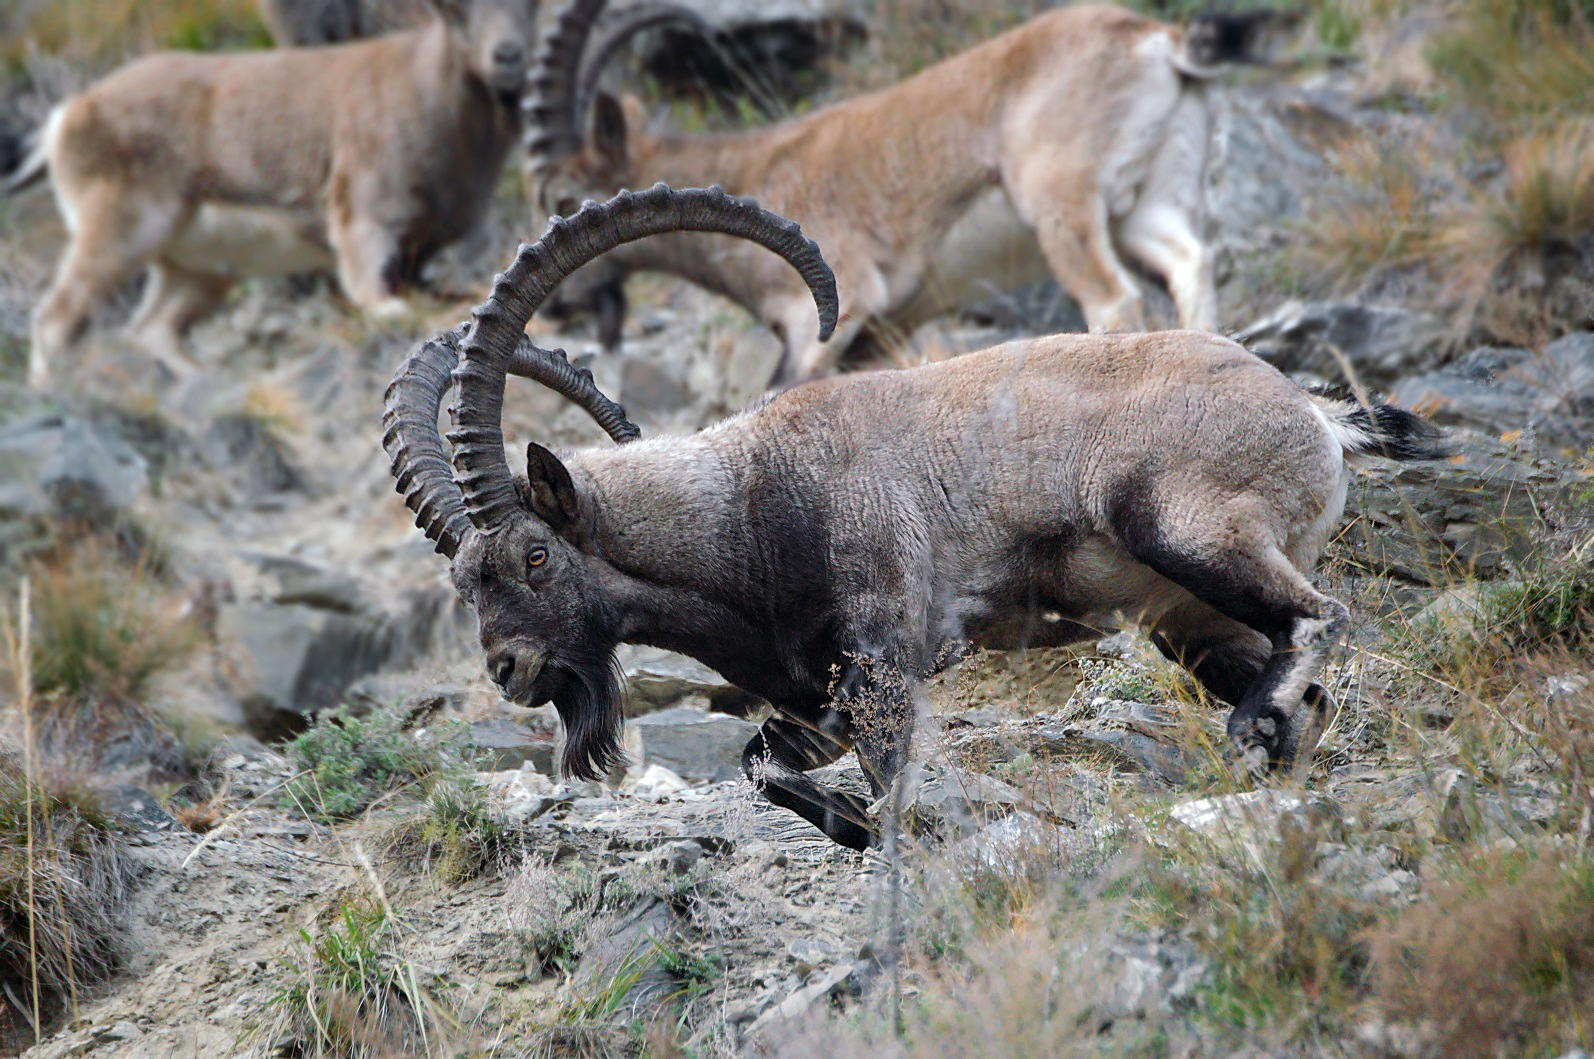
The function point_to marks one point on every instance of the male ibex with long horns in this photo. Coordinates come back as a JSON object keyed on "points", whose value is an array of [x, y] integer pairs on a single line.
{"points": [[875, 525], [366, 157], [1075, 137]]}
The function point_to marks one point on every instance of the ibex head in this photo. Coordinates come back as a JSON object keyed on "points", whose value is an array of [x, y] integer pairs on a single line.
{"points": [[577, 136], [550, 606], [496, 37]]}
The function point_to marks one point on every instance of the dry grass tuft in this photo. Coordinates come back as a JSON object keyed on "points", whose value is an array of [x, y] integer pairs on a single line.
{"points": [[1499, 960], [1376, 212], [63, 888], [1515, 59], [1508, 241], [63, 881], [103, 635]]}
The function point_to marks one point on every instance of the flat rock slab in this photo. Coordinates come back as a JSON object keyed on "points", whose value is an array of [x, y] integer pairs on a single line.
{"points": [[693, 744]]}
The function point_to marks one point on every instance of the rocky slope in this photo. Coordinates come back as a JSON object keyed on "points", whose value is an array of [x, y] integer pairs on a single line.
{"points": [[1078, 850]]}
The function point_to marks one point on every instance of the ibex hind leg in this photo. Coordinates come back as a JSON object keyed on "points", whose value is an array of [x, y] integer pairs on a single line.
{"points": [[1064, 206], [784, 748], [1227, 658], [1244, 577], [174, 299], [112, 238]]}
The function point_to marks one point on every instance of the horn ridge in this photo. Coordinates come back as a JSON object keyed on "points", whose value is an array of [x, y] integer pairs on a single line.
{"points": [[421, 470], [495, 341]]}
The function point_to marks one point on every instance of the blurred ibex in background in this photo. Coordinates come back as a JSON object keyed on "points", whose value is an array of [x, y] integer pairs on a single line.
{"points": [[831, 546], [306, 23], [1076, 136], [366, 158]]}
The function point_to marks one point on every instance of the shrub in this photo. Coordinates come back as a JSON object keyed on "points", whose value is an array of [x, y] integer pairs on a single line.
{"points": [[552, 909], [63, 892], [347, 762], [1499, 961], [454, 836]]}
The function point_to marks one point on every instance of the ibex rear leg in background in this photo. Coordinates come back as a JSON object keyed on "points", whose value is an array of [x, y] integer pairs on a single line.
{"points": [[174, 298], [113, 235]]}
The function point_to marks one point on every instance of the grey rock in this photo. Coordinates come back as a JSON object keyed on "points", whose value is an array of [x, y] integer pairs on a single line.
{"points": [[1132, 735], [62, 466], [656, 678], [1151, 977], [1477, 514], [501, 745], [648, 386], [842, 978], [693, 744], [252, 458], [1550, 393], [414, 698], [137, 808], [299, 659], [289, 581], [681, 857], [120, 1031], [1380, 344], [810, 954], [1249, 825], [632, 946]]}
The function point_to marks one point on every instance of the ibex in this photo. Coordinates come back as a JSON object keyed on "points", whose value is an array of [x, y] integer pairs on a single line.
{"points": [[836, 543], [365, 157], [1057, 145]]}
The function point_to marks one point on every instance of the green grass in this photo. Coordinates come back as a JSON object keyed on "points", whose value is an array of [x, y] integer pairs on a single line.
{"points": [[344, 763], [454, 836], [348, 994]]}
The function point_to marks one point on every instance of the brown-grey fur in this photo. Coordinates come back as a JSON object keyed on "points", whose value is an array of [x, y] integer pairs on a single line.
{"points": [[365, 158], [1054, 148], [1036, 493]]}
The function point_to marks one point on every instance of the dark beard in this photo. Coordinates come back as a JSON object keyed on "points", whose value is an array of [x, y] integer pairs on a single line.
{"points": [[588, 702]]}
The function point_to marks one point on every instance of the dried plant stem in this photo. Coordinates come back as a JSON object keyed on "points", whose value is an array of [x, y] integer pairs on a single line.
{"points": [[21, 661]]}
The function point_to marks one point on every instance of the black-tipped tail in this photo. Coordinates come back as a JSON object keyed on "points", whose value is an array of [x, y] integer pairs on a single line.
{"points": [[1379, 429], [1215, 39]]}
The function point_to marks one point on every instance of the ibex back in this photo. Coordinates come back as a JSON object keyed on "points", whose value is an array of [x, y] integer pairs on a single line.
{"points": [[1054, 147]]}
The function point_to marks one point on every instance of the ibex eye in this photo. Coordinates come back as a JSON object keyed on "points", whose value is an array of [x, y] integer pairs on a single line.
{"points": [[537, 556]]}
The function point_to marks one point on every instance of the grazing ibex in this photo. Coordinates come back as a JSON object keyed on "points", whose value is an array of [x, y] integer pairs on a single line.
{"points": [[834, 544], [1077, 135], [367, 157]]}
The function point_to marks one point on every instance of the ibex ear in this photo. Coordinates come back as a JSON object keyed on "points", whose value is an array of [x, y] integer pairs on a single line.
{"points": [[550, 494], [608, 131]]}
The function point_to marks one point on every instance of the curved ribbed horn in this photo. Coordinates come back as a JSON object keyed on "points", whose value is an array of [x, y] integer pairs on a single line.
{"points": [[421, 471], [553, 121], [409, 434], [617, 26], [490, 348]]}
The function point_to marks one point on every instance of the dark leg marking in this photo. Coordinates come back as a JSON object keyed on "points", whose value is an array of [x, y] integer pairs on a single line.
{"points": [[783, 750]]}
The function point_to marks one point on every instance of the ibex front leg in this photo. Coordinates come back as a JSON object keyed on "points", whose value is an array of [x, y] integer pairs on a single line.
{"points": [[786, 747]]}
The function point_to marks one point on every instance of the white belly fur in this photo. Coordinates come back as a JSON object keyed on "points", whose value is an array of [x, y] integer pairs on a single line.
{"points": [[249, 241]]}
